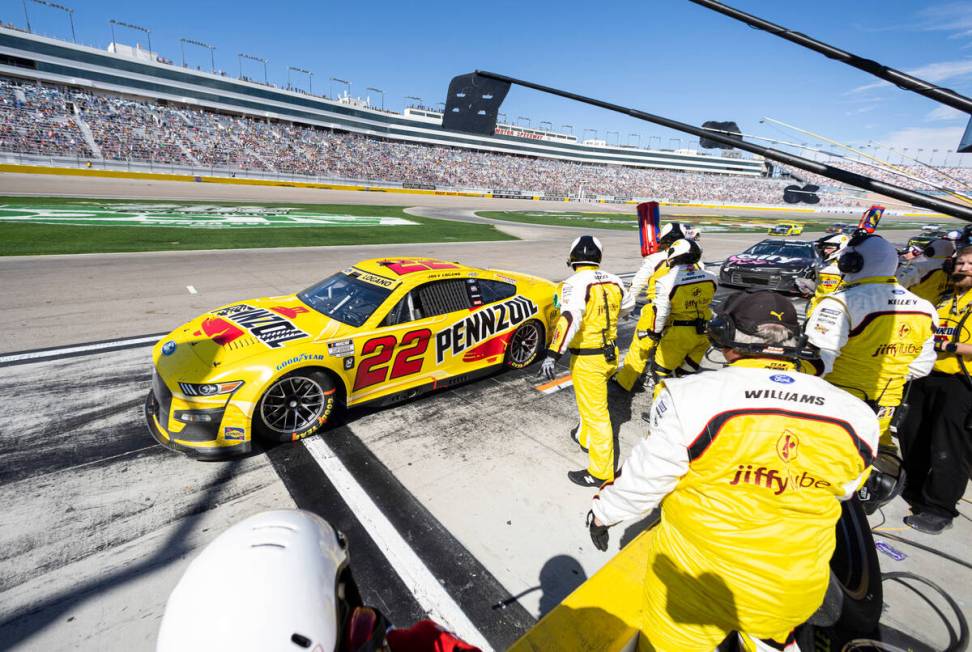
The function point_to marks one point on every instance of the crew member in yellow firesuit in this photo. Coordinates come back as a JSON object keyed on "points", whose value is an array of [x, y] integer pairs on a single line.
{"points": [[682, 301], [925, 275], [873, 335], [827, 276], [748, 464], [653, 267], [591, 302]]}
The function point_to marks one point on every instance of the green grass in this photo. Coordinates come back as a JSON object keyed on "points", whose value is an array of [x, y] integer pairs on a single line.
{"points": [[32, 238], [708, 223]]}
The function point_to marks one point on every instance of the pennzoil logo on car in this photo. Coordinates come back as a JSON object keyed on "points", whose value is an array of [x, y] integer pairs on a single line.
{"points": [[483, 324], [272, 329]]}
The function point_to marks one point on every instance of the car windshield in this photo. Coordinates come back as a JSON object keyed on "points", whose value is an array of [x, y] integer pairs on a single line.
{"points": [[345, 299], [783, 249]]}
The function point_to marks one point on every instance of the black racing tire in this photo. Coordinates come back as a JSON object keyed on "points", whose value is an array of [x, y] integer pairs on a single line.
{"points": [[295, 406], [525, 345], [857, 570]]}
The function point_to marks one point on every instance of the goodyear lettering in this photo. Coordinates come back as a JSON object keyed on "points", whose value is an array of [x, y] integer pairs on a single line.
{"points": [[781, 395], [272, 329], [774, 480], [303, 357], [483, 324]]}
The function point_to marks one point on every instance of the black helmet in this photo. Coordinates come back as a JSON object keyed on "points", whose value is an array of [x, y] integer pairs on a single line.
{"points": [[670, 233], [585, 250], [684, 252]]}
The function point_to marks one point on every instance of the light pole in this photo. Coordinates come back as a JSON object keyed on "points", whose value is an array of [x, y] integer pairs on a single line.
{"points": [[548, 123], [242, 55], [523, 117], [378, 90], [502, 116], [346, 83], [675, 140], [617, 136], [638, 136], [54, 5], [584, 133], [183, 42], [418, 100], [310, 77], [139, 28], [571, 127]]}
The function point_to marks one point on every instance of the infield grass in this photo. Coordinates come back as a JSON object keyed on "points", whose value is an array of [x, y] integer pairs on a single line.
{"points": [[58, 225]]}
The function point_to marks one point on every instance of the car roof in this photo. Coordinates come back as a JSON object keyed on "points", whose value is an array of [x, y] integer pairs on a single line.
{"points": [[413, 268]]}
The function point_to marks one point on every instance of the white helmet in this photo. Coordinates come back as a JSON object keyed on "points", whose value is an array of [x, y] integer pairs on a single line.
{"points": [[271, 582]]}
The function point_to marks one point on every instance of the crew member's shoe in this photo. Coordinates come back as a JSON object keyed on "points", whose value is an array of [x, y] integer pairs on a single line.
{"points": [[584, 479], [928, 523], [574, 434]]}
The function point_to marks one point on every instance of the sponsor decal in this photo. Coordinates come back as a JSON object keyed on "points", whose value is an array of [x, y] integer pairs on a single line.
{"points": [[233, 434], [780, 395], [783, 379], [403, 266], [903, 330], [823, 330], [270, 328], [902, 302], [774, 480], [374, 279], [303, 357], [898, 291], [763, 259], [349, 363], [340, 348], [168, 348], [289, 313], [506, 279], [894, 350], [219, 330], [483, 324], [787, 446]]}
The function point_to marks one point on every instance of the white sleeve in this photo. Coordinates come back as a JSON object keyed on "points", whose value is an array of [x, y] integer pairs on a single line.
{"points": [[907, 274], [925, 362], [828, 329], [652, 470], [573, 301], [640, 281], [627, 302], [662, 301]]}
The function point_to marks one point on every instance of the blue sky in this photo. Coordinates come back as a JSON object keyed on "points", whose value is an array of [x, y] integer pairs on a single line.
{"points": [[669, 57]]}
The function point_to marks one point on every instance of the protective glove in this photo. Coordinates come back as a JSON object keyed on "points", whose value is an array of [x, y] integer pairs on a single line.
{"points": [[599, 533], [805, 286], [548, 368]]}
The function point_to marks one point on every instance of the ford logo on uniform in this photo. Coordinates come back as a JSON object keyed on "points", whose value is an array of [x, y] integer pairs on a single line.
{"points": [[168, 348], [782, 379]]}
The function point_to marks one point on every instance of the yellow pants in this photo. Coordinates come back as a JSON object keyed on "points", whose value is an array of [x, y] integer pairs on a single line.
{"points": [[639, 353], [884, 420], [678, 344], [591, 374], [688, 608]]}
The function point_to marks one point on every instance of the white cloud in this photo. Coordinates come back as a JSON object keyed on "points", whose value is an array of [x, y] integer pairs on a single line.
{"points": [[945, 113], [926, 138], [933, 72], [952, 17]]}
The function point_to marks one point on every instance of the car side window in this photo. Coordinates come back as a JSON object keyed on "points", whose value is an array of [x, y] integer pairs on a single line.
{"points": [[429, 300], [404, 311], [491, 291]]}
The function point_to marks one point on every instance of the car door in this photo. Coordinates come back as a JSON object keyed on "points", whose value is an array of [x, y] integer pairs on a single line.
{"points": [[400, 355]]}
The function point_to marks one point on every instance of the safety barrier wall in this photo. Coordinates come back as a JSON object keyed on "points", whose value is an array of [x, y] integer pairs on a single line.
{"points": [[35, 164]]}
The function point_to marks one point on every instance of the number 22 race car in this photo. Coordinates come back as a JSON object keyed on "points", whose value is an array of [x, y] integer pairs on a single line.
{"points": [[383, 330]]}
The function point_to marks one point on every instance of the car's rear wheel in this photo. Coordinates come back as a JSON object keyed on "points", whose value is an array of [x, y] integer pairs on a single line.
{"points": [[295, 406], [525, 345]]}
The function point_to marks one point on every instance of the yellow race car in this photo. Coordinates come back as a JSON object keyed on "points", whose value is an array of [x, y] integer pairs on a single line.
{"points": [[785, 229], [384, 330]]}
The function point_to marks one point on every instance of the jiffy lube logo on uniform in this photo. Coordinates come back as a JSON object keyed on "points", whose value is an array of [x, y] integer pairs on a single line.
{"points": [[483, 324]]}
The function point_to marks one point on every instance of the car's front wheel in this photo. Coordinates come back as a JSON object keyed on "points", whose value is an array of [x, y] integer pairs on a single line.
{"points": [[295, 406], [525, 345]]}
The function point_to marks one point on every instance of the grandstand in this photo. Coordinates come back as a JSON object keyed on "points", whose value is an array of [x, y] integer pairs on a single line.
{"points": [[73, 105]]}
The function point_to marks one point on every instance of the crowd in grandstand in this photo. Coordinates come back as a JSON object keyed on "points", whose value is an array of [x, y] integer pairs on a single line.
{"points": [[49, 120]]}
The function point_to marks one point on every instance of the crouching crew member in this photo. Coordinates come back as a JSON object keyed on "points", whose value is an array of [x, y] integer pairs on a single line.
{"points": [[653, 267], [749, 464], [936, 437], [873, 335], [591, 302]]}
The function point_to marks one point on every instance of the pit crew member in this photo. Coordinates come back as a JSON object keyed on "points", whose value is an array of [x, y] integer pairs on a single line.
{"points": [[827, 276], [936, 437], [591, 302], [873, 335], [924, 275], [653, 267], [749, 464]]}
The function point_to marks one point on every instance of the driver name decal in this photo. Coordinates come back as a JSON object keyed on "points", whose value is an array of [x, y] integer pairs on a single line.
{"points": [[272, 329], [483, 324]]}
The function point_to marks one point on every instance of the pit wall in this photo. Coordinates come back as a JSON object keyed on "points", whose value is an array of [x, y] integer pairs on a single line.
{"points": [[403, 189]]}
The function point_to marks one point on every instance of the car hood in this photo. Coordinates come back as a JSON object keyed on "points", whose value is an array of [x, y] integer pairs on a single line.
{"points": [[243, 329], [750, 261]]}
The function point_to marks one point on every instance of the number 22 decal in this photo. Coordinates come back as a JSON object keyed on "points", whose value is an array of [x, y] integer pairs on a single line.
{"points": [[376, 354]]}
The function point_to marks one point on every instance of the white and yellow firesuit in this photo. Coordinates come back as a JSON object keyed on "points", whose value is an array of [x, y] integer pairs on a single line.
{"points": [[828, 275], [591, 302], [653, 267], [682, 303], [924, 275], [874, 335], [749, 464]]}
